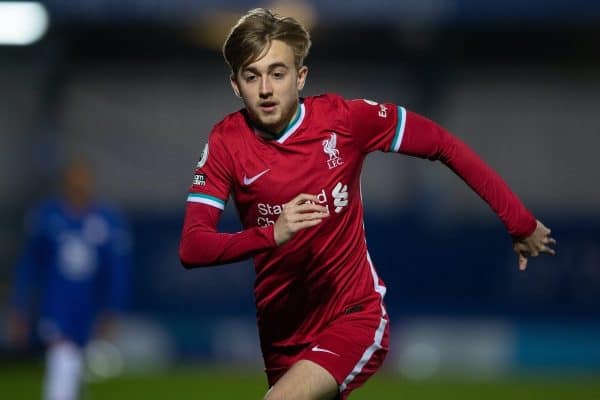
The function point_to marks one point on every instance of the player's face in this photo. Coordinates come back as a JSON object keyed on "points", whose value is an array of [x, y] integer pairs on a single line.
{"points": [[78, 182], [270, 87]]}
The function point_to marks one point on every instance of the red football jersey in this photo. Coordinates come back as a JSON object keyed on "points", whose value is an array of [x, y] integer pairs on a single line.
{"points": [[322, 271]]}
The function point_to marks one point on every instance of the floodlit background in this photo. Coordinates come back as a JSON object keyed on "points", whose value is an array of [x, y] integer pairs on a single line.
{"points": [[136, 86]]}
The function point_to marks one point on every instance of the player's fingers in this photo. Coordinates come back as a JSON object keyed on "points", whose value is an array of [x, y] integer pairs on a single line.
{"points": [[302, 198], [522, 262], [313, 215], [549, 241], [547, 250], [534, 253], [310, 207], [305, 224], [520, 247], [531, 248], [299, 217], [545, 229]]}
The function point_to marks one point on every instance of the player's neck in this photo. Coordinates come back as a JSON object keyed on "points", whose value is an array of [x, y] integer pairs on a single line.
{"points": [[77, 204], [270, 135]]}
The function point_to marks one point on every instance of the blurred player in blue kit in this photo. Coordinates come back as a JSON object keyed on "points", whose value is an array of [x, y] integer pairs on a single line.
{"points": [[71, 281]]}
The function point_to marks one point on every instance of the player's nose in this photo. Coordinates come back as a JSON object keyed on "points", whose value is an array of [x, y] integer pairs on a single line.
{"points": [[265, 88]]}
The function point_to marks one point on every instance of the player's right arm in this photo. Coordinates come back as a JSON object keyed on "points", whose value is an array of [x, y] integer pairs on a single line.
{"points": [[201, 245]]}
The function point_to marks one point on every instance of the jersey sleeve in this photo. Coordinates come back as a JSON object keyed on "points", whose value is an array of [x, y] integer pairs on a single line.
{"points": [[201, 244], [421, 137], [212, 180], [376, 126], [391, 128]]}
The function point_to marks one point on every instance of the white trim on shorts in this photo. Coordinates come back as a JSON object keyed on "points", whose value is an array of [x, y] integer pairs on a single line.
{"points": [[366, 355]]}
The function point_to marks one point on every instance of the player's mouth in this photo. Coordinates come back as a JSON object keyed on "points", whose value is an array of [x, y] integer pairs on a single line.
{"points": [[268, 106]]}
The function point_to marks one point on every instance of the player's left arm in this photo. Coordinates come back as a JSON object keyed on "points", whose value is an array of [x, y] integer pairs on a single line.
{"points": [[391, 128], [424, 138], [26, 279]]}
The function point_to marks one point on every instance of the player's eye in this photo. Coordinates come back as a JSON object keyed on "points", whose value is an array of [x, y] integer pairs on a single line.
{"points": [[250, 78], [278, 74]]}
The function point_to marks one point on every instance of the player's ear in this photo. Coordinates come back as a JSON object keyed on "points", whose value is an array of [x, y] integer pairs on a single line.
{"points": [[234, 85], [301, 80]]}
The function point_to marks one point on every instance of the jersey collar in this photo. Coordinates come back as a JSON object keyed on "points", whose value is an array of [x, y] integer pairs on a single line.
{"points": [[292, 126]]}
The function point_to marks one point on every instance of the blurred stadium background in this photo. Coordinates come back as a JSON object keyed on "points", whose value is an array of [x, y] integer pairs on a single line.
{"points": [[136, 86]]}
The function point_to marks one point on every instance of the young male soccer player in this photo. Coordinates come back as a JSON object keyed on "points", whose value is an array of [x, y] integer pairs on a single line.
{"points": [[76, 263], [293, 168]]}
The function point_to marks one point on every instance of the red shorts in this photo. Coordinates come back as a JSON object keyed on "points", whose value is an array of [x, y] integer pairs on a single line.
{"points": [[352, 349]]}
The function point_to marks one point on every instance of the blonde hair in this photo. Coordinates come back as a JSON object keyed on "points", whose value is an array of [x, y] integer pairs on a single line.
{"points": [[253, 33]]}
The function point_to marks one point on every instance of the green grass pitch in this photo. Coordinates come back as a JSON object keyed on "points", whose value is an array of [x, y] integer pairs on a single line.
{"points": [[23, 382]]}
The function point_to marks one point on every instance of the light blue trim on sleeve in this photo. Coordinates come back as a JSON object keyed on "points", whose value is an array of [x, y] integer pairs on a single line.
{"points": [[399, 130], [206, 199]]}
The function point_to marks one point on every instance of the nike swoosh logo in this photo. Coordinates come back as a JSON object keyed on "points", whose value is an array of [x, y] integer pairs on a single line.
{"points": [[249, 181], [317, 348]]}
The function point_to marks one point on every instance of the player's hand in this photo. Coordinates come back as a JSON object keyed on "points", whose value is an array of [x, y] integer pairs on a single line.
{"points": [[300, 213], [106, 326], [535, 244]]}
